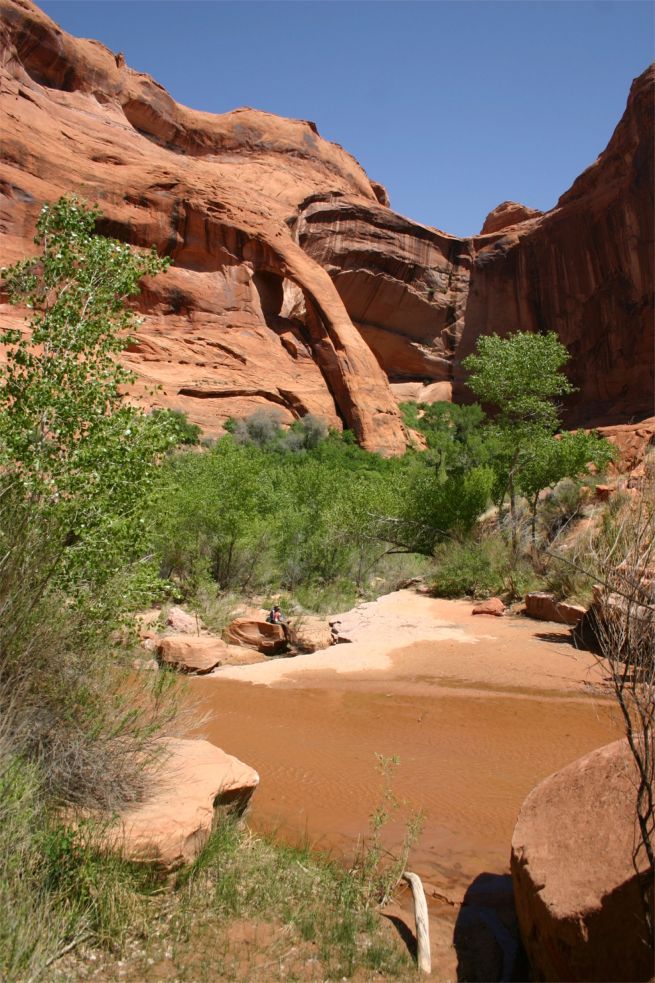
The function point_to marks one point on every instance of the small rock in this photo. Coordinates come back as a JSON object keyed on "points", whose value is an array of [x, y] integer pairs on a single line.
{"points": [[492, 606]]}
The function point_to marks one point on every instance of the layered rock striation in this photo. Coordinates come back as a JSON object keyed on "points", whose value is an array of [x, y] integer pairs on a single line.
{"points": [[584, 269], [294, 286], [244, 318]]}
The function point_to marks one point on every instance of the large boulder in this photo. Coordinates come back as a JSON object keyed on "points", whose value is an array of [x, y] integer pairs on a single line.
{"points": [[312, 634], [171, 827], [544, 607], [256, 634], [203, 653], [574, 867], [186, 653]]}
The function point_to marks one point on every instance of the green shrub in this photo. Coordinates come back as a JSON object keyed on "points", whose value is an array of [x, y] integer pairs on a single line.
{"points": [[480, 568], [182, 430], [559, 507], [566, 581]]}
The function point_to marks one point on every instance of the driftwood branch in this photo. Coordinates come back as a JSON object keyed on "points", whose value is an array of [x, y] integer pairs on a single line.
{"points": [[423, 956]]}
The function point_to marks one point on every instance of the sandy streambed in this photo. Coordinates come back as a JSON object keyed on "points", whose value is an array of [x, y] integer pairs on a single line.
{"points": [[477, 709]]}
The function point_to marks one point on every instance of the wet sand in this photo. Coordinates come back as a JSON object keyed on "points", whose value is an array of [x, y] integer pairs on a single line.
{"points": [[477, 710]]}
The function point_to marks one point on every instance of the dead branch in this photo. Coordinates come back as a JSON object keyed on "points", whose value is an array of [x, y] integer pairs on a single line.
{"points": [[423, 956]]}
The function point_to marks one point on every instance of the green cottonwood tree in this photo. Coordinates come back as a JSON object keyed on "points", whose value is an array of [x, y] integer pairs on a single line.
{"points": [[549, 460], [69, 443], [76, 463], [521, 377]]}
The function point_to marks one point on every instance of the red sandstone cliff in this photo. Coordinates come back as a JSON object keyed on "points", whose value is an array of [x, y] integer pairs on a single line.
{"points": [[289, 268], [244, 318]]}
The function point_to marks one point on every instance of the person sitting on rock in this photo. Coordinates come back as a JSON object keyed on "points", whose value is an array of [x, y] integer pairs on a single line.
{"points": [[275, 616]]}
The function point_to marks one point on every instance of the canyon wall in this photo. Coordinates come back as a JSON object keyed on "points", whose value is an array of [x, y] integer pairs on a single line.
{"points": [[294, 286], [584, 269]]}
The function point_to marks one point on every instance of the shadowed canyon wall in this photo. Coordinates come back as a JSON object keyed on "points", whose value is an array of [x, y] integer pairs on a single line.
{"points": [[294, 286]]}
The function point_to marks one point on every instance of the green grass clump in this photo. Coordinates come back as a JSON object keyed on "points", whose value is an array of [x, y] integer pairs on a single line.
{"points": [[57, 891], [320, 910], [65, 907]]}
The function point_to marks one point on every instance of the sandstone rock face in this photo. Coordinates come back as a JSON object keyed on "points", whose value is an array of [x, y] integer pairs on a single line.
{"points": [[585, 270], [294, 286], [244, 319], [577, 894], [404, 285], [259, 635], [421, 298], [173, 825]]}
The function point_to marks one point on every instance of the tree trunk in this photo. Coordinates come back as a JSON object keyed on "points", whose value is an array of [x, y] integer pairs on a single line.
{"points": [[512, 514], [534, 519]]}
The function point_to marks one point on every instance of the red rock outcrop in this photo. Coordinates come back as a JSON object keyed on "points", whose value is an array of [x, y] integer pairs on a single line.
{"points": [[634, 442], [293, 284], [506, 214], [493, 606], [575, 868]]}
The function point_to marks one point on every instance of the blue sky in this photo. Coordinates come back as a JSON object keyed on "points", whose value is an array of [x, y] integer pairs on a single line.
{"points": [[454, 106]]}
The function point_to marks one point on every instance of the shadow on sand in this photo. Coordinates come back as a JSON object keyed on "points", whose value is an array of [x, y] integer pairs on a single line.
{"points": [[486, 936]]}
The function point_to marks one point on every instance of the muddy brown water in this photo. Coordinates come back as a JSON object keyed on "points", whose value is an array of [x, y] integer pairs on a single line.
{"points": [[468, 757]]}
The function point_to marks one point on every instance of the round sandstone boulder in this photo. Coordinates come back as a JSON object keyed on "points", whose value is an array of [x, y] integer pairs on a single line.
{"points": [[192, 653], [578, 895]]}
